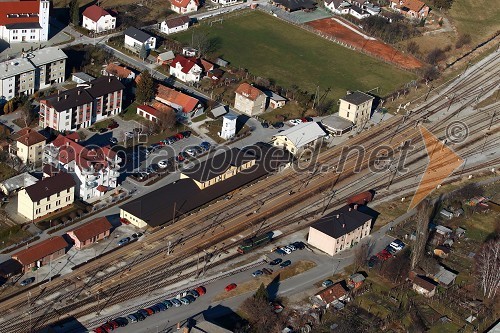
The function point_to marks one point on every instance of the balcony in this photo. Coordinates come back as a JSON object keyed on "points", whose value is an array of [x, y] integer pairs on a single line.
{"points": [[91, 184]]}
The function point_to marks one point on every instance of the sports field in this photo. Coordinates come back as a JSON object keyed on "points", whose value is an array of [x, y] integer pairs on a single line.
{"points": [[277, 50]]}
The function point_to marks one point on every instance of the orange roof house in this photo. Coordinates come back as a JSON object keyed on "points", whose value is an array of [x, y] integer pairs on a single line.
{"points": [[41, 253], [91, 232], [28, 137], [337, 292], [121, 72], [411, 8], [177, 100], [250, 100], [184, 6], [249, 91]]}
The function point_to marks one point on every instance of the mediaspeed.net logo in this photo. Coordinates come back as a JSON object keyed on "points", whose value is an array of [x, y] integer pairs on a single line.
{"points": [[443, 161]]}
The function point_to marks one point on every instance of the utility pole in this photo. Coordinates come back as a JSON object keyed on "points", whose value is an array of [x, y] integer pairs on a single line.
{"points": [[149, 281], [484, 144], [492, 117]]}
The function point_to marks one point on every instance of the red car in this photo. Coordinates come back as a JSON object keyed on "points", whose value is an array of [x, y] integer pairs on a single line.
{"points": [[179, 136], [231, 286], [100, 330], [304, 120], [114, 124], [201, 290], [114, 324], [149, 311], [107, 327]]}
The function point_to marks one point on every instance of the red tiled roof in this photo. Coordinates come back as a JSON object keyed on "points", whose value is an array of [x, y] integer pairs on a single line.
{"points": [[415, 5], [206, 65], [28, 137], [102, 188], [31, 8], [40, 250], [117, 70], [91, 229], [95, 12], [186, 63], [187, 103], [248, 91], [332, 293], [157, 109], [182, 3]]}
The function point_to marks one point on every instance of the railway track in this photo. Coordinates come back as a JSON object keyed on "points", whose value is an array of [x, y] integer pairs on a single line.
{"points": [[381, 135]]}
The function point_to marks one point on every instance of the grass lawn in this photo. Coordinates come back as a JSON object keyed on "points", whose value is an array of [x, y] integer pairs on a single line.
{"points": [[12, 235], [130, 113], [470, 16], [102, 124], [289, 55], [444, 328], [6, 172]]}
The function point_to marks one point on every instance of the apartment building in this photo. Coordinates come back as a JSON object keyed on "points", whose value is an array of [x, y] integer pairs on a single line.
{"points": [[339, 230], [94, 170], [24, 21], [46, 196], [250, 100], [28, 145], [82, 106], [356, 107], [31, 72]]}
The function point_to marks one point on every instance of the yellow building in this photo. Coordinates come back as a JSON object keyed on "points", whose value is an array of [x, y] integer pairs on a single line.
{"points": [[250, 100], [46, 196], [28, 145], [356, 107], [298, 138], [220, 167], [339, 230]]}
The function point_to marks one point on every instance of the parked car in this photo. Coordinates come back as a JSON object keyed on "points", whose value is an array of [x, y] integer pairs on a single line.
{"points": [[205, 145], [186, 134], [180, 158], [275, 261], [149, 311], [107, 327], [113, 125], [100, 330], [280, 251], [231, 286], [285, 263], [184, 301], [299, 245], [190, 152], [292, 247], [257, 273], [309, 119], [194, 293], [190, 298], [278, 124], [168, 303], [286, 250], [122, 321], [154, 308], [140, 316], [373, 261], [113, 141], [327, 283], [179, 136], [397, 245], [132, 318], [176, 302], [124, 241], [295, 122], [136, 235], [390, 249], [265, 125], [113, 324], [201, 290], [27, 281], [267, 271]]}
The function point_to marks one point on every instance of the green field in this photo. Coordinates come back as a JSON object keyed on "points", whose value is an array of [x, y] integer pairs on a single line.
{"points": [[479, 18], [273, 49]]}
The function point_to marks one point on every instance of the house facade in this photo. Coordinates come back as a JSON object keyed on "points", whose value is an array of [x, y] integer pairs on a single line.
{"points": [[90, 232], [415, 9], [152, 114], [185, 69], [334, 293], [424, 286], [82, 106], [356, 107], [185, 106], [28, 145], [339, 230], [135, 39], [250, 100], [24, 21], [46, 196], [31, 72], [175, 24], [184, 6], [97, 19], [299, 138], [94, 170], [41, 253]]}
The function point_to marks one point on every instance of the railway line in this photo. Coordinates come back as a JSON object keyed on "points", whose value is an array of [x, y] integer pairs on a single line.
{"points": [[308, 184]]}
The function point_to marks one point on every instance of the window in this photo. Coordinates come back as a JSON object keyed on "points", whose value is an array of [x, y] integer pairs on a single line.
{"points": [[37, 211], [24, 31], [47, 207], [347, 114], [14, 37], [67, 191], [33, 30], [58, 194], [68, 199], [58, 202]]}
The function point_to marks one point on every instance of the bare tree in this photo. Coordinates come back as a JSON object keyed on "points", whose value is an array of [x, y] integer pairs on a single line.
{"points": [[488, 268], [422, 233], [27, 113], [202, 42], [361, 255], [166, 120], [429, 264]]}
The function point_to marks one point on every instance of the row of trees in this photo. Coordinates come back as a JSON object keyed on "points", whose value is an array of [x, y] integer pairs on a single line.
{"points": [[394, 32]]}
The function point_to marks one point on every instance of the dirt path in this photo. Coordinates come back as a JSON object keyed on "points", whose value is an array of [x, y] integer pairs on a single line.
{"points": [[354, 37]]}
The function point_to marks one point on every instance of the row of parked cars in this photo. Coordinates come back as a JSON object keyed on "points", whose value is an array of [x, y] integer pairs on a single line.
{"points": [[293, 122], [390, 250], [142, 314], [284, 250]]}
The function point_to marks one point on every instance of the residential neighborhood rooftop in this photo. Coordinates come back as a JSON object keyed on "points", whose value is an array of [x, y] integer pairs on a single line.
{"points": [[248, 91], [95, 12], [92, 229], [357, 98], [177, 21], [424, 282], [341, 221], [28, 136], [137, 34], [303, 133], [49, 186]]}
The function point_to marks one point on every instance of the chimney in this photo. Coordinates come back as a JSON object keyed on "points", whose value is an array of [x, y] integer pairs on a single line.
{"points": [[343, 225], [338, 215]]}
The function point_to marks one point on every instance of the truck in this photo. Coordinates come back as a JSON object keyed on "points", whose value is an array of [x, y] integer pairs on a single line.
{"points": [[361, 198], [253, 242]]}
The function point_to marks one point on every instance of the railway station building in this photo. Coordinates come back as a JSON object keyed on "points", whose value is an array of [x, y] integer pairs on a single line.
{"points": [[299, 138], [41, 253], [166, 204], [91, 232], [340, 230]]}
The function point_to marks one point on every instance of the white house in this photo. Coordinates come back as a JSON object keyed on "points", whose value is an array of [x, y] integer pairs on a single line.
{"points": [[185, 69], [184, 6], [174, 25], [340, 7], [135, 39], [299, 138], [225, 2], [24, 21], [95, 170], [356, 107], [97, 19], [358, 12]]}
